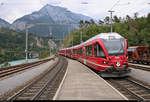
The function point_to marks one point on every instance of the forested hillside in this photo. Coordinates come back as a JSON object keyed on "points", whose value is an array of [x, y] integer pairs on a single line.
{"points": [[136, 30], [12, 45]]}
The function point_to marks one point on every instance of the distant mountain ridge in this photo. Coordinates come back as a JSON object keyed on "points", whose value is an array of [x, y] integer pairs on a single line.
{"points": [[4, 23], [49, 14]]}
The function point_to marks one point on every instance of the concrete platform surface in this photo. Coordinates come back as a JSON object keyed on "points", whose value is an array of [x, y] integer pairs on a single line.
{"points": [[81, 83]]}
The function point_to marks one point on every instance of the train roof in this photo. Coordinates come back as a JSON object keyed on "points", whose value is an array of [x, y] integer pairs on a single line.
{"points": [[106, 36]]}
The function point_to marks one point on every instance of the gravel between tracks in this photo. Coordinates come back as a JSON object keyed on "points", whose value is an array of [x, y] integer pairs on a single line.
{"points": [[135, 89], [50, 92]]}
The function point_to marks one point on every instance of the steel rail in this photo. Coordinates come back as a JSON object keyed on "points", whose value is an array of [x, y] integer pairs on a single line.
{"points": [[128, 91], [30, 84], [22, 65], [147, 88], [133, 84], [14, 70], [50, 80], [38, 94], [11, 70]]}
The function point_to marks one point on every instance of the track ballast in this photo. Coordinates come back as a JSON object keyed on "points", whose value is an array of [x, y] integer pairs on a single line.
{"points": [[38, 89]]}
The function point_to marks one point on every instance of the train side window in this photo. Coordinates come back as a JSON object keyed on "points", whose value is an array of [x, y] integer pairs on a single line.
{"points": [[74, 51], [89, 51], [98, 51], [69, 51], [80, 51]]}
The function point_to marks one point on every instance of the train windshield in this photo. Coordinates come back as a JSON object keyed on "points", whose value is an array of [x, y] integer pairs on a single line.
{"points": [[114, 47]]}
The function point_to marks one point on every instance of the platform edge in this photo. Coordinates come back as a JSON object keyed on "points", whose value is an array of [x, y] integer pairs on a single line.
{"points": [[59, 88], [112, 87]]}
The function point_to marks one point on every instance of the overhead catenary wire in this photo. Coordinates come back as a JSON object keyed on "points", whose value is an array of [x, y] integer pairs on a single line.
{"points": [[130, 6], [115, 4]]}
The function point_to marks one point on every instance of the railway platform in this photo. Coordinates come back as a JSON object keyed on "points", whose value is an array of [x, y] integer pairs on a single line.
{"points": [[80, 83]]}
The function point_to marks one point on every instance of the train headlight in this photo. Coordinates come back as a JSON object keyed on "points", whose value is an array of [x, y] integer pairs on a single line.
{"points": [[105, 62], [118, 64]]}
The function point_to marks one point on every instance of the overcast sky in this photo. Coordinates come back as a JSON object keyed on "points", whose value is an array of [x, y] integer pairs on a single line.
{"points": [[10, 10]]}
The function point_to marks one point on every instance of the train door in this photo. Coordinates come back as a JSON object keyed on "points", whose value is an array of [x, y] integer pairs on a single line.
{"points": [[84, 56], [65, 52], [89, 55], [71, 53], [99, 55]]}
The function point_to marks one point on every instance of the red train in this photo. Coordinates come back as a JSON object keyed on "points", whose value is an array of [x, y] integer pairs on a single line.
{"points": [[105, 52]]}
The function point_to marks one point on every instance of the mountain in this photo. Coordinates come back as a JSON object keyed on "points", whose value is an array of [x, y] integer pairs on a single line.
{"points": [[4, 23], [49, 14]]}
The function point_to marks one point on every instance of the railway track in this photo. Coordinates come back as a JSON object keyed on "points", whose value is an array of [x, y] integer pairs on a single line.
{"points": [[18, 68], [137, 66], [38, 89], [132, 88]]}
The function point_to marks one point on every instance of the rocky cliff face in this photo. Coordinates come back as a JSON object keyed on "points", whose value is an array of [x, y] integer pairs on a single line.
{"points": [[51, 43]]}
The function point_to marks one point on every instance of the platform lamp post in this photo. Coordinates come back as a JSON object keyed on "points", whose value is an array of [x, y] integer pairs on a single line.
{"points": [[50, 33], [68, 25], [81, 40], [81, 36], [26, 50], [72, 40], [111, 20], [111, 11]]}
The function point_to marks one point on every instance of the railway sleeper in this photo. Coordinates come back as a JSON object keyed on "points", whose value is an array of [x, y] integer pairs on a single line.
{"points": [[32, 91], [139, 84], [124, 83], [129, 91], [128, 85], [141, 92], [145, 95], [27, 95], [134, 88], [23, 98], [36, 87], [39, 84]]}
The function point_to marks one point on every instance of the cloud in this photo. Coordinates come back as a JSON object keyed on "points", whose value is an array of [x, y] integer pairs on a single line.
{"points": [[13, 9], [97, 9]]}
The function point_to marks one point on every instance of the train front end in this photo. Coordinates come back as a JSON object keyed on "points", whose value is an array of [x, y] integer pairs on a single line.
{"points": [[116, 55]]}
